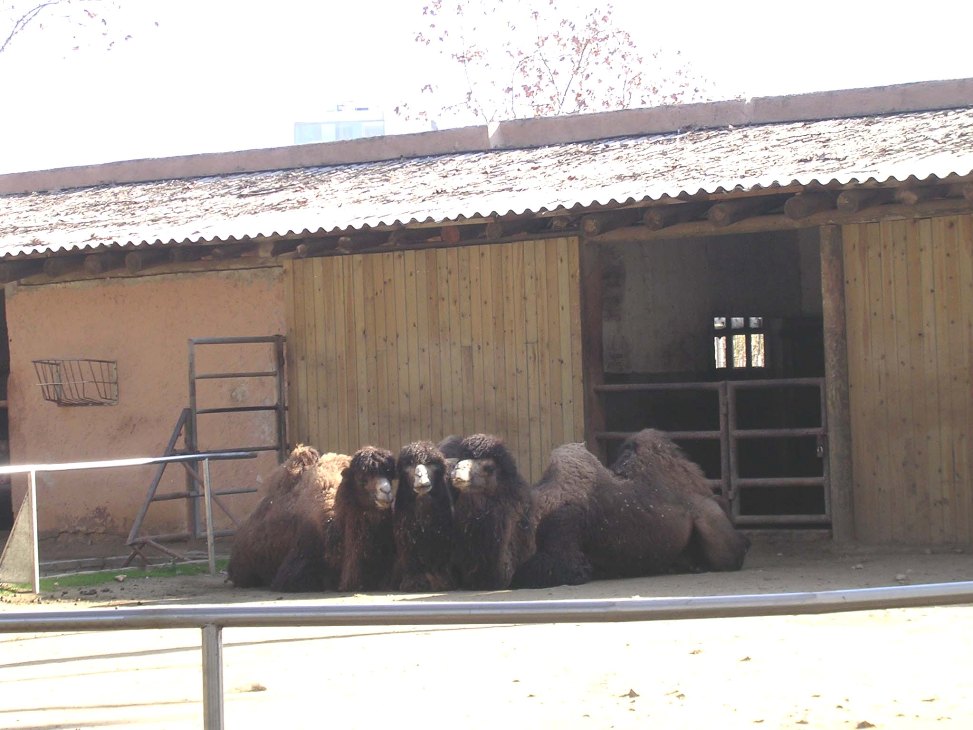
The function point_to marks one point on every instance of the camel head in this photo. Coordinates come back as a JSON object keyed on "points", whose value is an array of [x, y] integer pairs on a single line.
{"points": [[420, 467], [371, 473], [485, 466]]}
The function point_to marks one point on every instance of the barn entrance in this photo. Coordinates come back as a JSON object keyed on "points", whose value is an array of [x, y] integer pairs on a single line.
{"points": [[719, 342]]}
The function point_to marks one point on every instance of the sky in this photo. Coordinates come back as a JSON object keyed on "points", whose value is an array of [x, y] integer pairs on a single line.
{"points": [[216, 75]]}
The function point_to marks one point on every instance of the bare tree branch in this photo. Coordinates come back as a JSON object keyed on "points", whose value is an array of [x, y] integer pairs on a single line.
{"points": [[24, 20]]}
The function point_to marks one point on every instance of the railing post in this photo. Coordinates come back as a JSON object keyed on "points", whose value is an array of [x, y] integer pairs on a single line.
{"points": [[34, 539], [212, 677], [208, 500]]}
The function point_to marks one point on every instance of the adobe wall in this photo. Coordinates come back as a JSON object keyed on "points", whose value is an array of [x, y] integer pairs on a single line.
{"points": [[143, 324]]}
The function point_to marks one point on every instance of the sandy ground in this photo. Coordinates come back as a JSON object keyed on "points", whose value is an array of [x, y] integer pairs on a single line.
{"points": [[904, 668]]}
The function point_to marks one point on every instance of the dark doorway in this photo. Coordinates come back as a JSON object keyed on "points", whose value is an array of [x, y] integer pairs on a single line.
{"points": [[719, 341]]}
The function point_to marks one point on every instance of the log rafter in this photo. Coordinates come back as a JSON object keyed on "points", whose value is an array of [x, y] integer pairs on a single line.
{"points": [[704, 214]]}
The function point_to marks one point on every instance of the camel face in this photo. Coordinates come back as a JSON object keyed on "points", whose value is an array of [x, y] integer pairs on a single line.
{"points": [[380, 491], [421, 477], [476, 475]]}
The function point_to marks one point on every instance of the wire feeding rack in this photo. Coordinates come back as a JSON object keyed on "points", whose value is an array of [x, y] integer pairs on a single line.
{"points": [[78, 382]]}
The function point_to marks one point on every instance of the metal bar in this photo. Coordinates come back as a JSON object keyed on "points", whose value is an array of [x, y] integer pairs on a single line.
{"points": [[136, 461], [826, 455], [35, 555], [675, 435], [212, 646], [635, 387], [248, 448], [779, 482], [733, 456], [280, 362], [404, 613], [232, 340], [725, 475], [255, 374], [216, 493], [150, 495], [234, 409], [178, 536], [208, 497], [759, 433], [816, 519], [782, 382], [192, 443]]}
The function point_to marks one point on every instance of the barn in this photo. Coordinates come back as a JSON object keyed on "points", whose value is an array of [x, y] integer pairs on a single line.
{"points": [[783, 284]]}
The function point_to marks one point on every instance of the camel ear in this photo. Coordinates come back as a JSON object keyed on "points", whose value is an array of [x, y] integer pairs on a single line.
{"points": [[345, 472]]}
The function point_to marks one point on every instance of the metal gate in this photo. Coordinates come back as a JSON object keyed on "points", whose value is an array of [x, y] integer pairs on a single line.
{"points": [[771, 439]]}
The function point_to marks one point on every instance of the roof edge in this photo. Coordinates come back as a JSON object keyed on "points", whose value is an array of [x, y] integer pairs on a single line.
{"points": [[815, 106], [518, 133], [368, 149]]}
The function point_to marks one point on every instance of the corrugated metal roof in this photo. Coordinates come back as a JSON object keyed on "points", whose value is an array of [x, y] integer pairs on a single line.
{"points": [[451, 187]]}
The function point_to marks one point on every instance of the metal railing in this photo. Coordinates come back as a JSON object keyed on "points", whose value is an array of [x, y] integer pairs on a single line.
{"points": [[730, 434], [211, 620], [31, 471]]}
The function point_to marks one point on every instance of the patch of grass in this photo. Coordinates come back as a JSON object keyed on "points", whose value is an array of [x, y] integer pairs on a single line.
{"points": [[101, 577]]}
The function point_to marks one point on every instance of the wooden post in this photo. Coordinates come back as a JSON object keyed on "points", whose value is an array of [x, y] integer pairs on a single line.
{"points": [[592, 348], [838, 412]]}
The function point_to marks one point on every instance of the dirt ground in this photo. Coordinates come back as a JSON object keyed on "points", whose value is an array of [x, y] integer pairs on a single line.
{"points": [[904, 668]]}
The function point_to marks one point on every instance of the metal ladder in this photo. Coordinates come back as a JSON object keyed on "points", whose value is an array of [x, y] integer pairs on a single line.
{"points": [[187, 428]]}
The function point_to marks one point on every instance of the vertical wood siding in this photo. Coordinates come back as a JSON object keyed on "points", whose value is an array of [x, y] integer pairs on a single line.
{"points": [[388, 348], [909, 301]]}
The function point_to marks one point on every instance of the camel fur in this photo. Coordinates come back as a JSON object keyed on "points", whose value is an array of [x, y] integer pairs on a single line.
{"points": [[650, 457], [363, 548], [592, 523], [422, 520], [281, 544], [491, 514]]}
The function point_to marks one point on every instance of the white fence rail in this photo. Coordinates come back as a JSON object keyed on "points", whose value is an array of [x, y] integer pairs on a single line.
{"points": [[212, 619], [31, 470]]}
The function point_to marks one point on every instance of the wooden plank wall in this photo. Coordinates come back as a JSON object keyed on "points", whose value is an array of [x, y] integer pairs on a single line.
{"points": [[387, 348], [909, 302]]}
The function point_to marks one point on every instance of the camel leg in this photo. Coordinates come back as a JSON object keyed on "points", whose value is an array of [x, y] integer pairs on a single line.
{"points": [[718, 545], [559, 559]]}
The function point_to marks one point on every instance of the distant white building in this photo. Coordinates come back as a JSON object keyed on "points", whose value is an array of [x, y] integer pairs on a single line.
{"points": [[344, 121]]}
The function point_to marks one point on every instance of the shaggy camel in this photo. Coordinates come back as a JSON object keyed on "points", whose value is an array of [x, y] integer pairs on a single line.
{"points": [[281, 544], [422, 521], [592, 523], [491, 515]]}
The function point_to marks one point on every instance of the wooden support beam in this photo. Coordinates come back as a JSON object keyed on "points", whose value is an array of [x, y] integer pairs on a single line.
{"points": [[451, 234], [407, 236], [836, 385], [136, 261], [598, 223], [912, 194], [501, 228], [803, 205], [99, 263], [316, 246], [592, 345], [663, 216], [14, 270], [362, 241], [182, 254], [60, 265], [731, 211], [267, 249], [856, 199]]}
